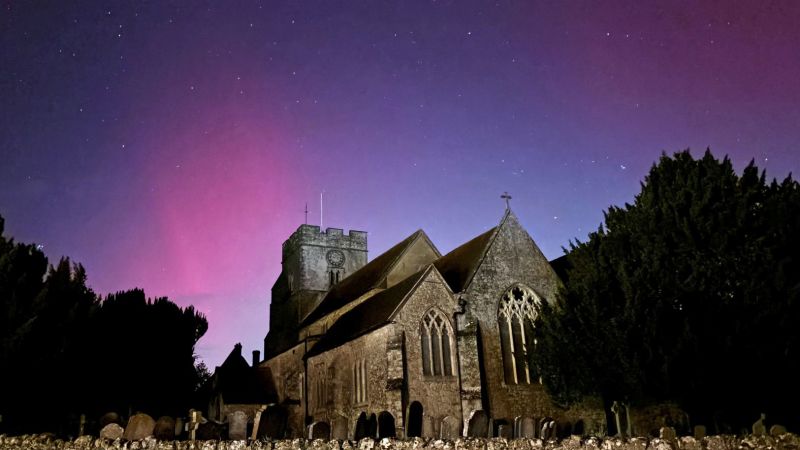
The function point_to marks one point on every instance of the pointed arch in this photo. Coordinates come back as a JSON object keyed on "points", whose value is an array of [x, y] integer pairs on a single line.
{"points": [[436, 338], [515, 316]]}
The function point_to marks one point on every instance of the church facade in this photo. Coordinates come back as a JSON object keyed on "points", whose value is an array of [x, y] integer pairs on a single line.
{"points": [[412, 343]]}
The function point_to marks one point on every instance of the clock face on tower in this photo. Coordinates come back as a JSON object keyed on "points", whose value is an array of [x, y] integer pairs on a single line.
{"points": [[335, 258]]}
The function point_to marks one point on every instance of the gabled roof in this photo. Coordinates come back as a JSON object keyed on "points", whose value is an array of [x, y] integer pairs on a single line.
{"points": [[373, 313], [237, 382], [459, 266], [363, 280]]}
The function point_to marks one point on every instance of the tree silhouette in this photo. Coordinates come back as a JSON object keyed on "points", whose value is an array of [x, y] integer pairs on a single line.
{"points": [[690, 294]]}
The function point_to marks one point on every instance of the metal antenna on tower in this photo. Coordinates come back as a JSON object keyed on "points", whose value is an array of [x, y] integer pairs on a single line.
{"points": [[320, 211], [306, 213]]}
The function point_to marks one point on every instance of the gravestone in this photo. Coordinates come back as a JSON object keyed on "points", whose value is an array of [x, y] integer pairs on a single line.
{"points": [[517, 426], [256, 422], [110, 417], [339, 428], [527, 428], [164, 429], [759, 429], [777, 430], [319, 430], [699, 432], [580, 428], [139, 427], [195, 419], [111, 431], [428, 430], [450, 428], [667, 434], [478, 424], [237, 426], [504, 431], [179, 427]]}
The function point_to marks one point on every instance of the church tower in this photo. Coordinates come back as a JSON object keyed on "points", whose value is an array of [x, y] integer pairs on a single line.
{"points": [[312, 262]]}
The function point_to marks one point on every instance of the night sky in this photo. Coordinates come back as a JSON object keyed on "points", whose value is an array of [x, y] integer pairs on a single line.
{"points": [[173, 145]]}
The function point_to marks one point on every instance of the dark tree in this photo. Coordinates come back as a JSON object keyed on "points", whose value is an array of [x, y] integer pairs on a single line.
{"points": [[690, 294], [63, 352]]}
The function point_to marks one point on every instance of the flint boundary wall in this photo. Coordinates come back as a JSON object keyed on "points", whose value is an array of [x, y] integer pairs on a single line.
{"points": [[786, 441]]}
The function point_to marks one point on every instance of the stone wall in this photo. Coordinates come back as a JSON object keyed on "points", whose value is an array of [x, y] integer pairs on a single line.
{"points": [[786, 441], [512, 259]]}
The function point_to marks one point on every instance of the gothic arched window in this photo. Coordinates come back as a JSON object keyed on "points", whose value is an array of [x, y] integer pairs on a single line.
{"points": [[435, 335], [515, 317]]}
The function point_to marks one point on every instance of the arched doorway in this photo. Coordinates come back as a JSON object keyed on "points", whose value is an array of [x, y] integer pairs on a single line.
{"points": [[360, 430], [385, 425], [414, 428]]}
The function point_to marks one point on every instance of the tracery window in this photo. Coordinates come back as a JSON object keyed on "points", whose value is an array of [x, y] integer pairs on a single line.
{"points": [[437, 344], [515, 317]]}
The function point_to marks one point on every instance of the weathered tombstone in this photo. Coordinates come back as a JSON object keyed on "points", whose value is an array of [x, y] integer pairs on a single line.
{"points": [[699, 432], [527, 428], [667, 434], [110, 417], [139, 427], [237, 426], [450, 428], [319, 430], [548, 430], [111, 431], [164, 429], [777, 430], [339, 428], [256, 422], [504, 431], [759, 429], [82, 424], [478, 424], [195, 420], [428, 428], [179, 427]]}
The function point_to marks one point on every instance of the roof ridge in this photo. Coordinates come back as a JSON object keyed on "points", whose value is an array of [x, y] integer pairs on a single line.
{"points": [[411, 239], [486, 248], [411, 290]]}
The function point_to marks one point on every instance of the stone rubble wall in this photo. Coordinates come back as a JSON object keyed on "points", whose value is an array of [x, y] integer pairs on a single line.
{"points": [[786, 441]]}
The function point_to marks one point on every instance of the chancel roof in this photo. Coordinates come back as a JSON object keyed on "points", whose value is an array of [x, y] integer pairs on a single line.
{"points": [[373, 313], [369, 277]]}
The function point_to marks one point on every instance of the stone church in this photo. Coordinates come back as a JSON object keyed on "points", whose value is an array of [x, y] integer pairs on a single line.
{"points": [[413, 342]]}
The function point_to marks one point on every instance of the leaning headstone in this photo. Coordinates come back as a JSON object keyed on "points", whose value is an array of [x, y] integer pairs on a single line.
{"points": [[319, 430], [139, 427], [759, 429], [451, 428], [699, 432], [179, 427], [667, 434], [777, 430], [527, 428], [237, 426], [478, 424], [256, 423], [111, 431], [164, 429]]}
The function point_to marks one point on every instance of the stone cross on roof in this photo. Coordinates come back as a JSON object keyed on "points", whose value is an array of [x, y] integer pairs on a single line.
{"points": [[507, 198]]}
